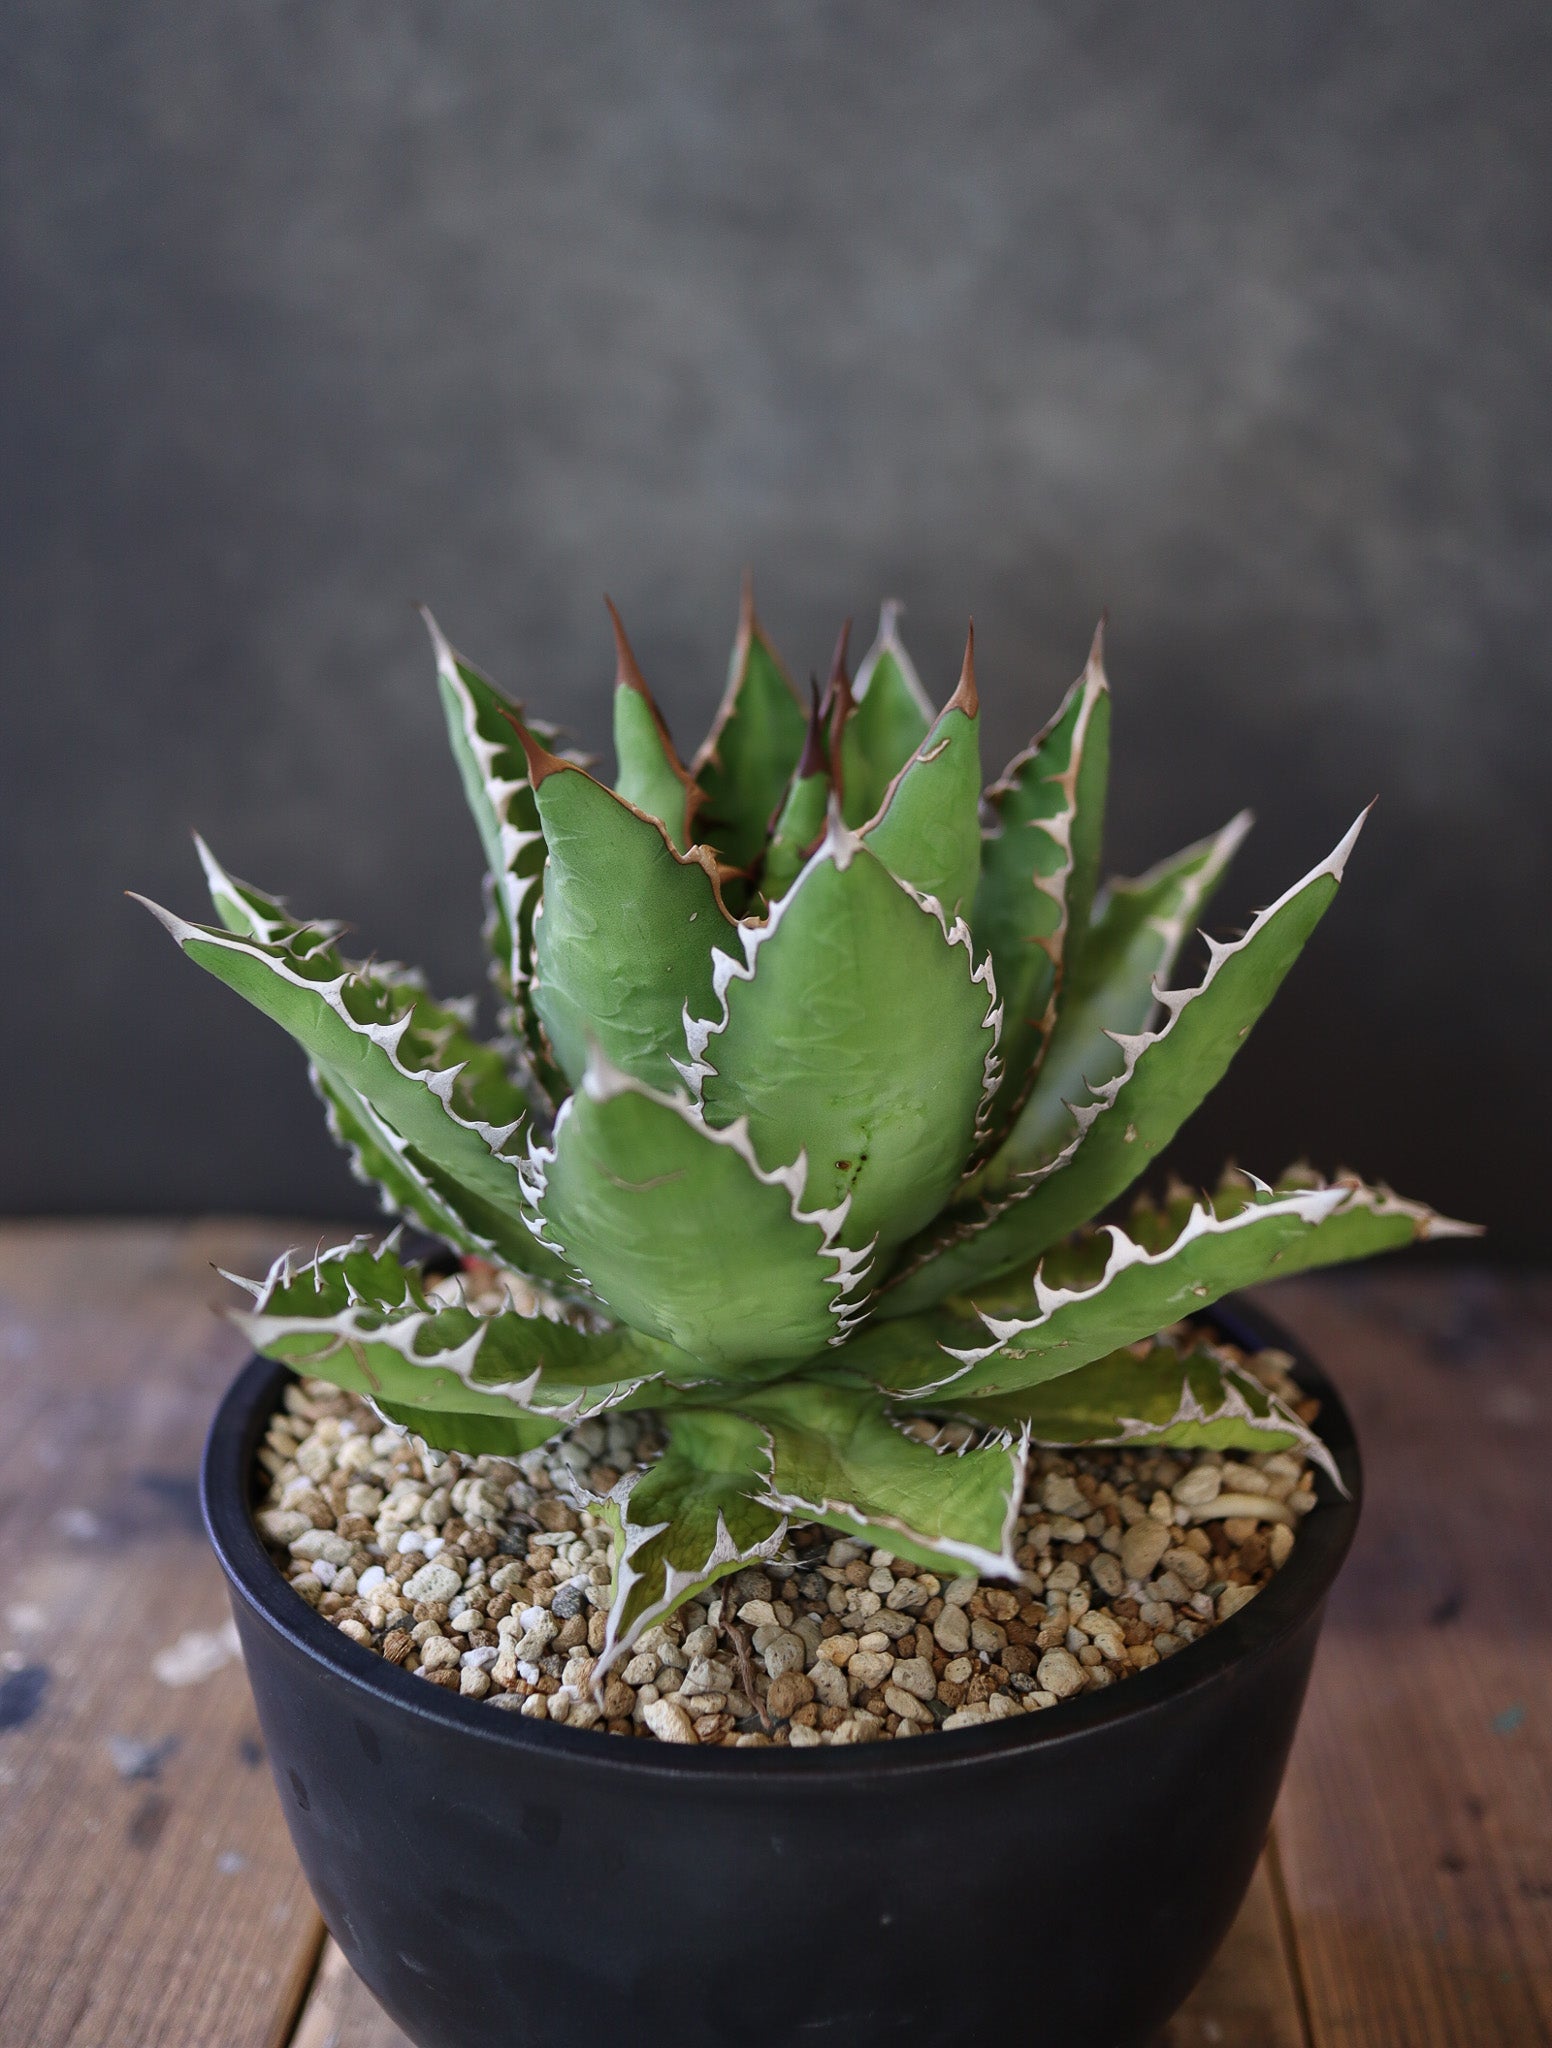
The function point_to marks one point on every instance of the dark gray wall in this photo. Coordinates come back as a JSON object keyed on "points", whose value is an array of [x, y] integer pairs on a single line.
{"points": [[1232, 319]]}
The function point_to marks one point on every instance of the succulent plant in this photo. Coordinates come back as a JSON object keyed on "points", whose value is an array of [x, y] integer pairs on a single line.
{"points": [[815, 1070]]}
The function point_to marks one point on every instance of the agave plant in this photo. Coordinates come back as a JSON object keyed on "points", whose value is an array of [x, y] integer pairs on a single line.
{"points": [[816, 1068]]}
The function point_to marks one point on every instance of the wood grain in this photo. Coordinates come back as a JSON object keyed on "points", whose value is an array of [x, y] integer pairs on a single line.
{"points": [[1416, 1825], [1408, 1903], [164, 1909], [341, 2012]]}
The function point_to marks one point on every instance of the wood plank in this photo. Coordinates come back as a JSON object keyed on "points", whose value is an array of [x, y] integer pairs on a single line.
{"points": [[341, 2012], [162, 1907], [1248, 1999], [1416, 1827]]}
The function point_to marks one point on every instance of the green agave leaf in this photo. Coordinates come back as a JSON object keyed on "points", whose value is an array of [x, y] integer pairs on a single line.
{"points": [[407, 1183], [1092, 1297], [380, 1159], [685, 1522], [891, 718], [1190, 1396], [928, 829], [1165, 1075], [499, 1384], [1039, 868], [745, 761], [858, 1034], [837, 1456], [385, 1040], [1134, 941], [800, 823], [495, 785], [624, 939], [682, 1234], [651, 777]]}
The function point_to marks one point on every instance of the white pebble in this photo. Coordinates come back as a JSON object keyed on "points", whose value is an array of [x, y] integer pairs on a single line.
{"points": [[373, 1577]]}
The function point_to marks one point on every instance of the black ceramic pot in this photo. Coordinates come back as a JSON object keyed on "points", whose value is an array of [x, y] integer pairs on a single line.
{"points": [[1060, 1879]]}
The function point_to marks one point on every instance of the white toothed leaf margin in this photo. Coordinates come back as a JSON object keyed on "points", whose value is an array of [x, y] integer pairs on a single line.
{"points": [[887, 641], [631, 1536], [996, 1564], [513, 889], [1173, 1001], [1058, 829], [437, 1214], [1279, 1420], [386, 1037], [603, 1081], [839, 847], [1309, 1205], [351, 1328], [1172, 932]]}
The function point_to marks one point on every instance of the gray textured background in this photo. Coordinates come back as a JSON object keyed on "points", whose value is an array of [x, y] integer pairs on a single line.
{"points": [[1232, 319]]}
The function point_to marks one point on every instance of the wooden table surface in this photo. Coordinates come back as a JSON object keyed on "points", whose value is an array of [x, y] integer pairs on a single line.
{"points": [[148, 1893]]}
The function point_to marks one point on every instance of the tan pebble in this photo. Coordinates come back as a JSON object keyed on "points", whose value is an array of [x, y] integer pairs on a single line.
{"points": [[669, 1722], [829, 1683], [1233, 1598], [1236, 1506], [619, 1699], [859, 1726], [915, 1675], [1197, 1487], [952, 1630], [1142, 1547], [959, 1671], [439, 1653], [867, 1669], [793, 1689], [1060, 1495], [1107, 1574], [357, 1631], [1187, 1566], [1142, 1655], [474, 1684], [536, 1707], [1279, 1546], [838, 1649], [1060, 1672], [906, 1705], [969, 1717]]}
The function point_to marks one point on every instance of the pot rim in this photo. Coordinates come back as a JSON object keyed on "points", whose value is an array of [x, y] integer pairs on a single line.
{"points": [[1284, 1604]]}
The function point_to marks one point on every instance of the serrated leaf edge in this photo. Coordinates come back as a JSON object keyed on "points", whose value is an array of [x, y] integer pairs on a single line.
{"points": [[602, 1082], [262, 1328], [386, 1037], [997, 1564], [513, 889], [839, 847], [677, 1583], [1309, 1205]]}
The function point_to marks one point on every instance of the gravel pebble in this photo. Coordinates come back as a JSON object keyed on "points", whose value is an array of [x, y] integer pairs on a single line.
{"points": [[1143, 1545], [480, 1577]]}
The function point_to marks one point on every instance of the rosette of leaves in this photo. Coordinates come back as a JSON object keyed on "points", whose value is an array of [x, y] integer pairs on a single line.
{"points": [[816, 1068]]}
